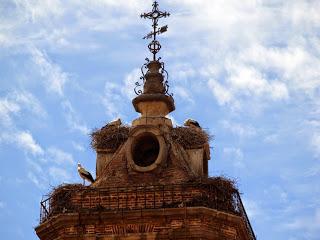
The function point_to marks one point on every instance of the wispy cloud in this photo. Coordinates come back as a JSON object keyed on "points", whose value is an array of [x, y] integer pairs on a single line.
{"points": [[234, 155], [72, 118], [130, 79], [26, 141], [308, 225], [54, 166], [315, 142], [241, 130], [78, 146], [28, 101], [59, 174], [252, 208], [7, 108], [112, 99], [15, 102], [59, 157], [53, 76]]}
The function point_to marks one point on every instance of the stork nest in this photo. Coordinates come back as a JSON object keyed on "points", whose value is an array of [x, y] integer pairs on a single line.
{"points": [[190, 137], [61, 195], [221, 189], [227, 185], [216, 193], [109, 137]]}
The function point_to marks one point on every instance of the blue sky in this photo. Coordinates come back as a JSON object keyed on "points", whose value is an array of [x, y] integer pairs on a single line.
{"points": [[248, 71]]}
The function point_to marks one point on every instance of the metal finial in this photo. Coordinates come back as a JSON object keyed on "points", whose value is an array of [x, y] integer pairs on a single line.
{"points": [[156, 66], [154, 46]]}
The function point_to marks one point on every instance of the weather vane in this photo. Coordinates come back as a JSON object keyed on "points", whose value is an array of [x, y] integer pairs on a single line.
{"points": [[154, 77], [154, 46]]}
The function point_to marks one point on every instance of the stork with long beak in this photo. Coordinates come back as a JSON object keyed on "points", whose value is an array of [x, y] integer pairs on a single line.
{"points": [[84, 174]]}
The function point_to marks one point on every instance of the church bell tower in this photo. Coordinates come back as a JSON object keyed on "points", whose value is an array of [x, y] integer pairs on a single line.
{"points": [[151, 178]]}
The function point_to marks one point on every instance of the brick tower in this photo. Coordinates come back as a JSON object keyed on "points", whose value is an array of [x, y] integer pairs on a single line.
{"points": [[151, 178]]}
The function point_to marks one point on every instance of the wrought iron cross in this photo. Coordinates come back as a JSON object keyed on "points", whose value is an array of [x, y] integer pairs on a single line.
{"points": [[154, 46]]}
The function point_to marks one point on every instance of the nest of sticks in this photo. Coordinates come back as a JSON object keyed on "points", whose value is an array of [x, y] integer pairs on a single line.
{"points": [[61, 197], [215, 192], [109, 137], [222, 190], [190, 137]]}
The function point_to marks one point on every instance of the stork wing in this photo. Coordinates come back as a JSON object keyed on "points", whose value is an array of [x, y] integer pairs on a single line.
{"points": [[85, 174]]}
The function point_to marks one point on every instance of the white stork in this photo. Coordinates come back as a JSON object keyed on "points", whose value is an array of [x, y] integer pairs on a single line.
{"points": [[117, 122], [191, 123], [84, 174]]}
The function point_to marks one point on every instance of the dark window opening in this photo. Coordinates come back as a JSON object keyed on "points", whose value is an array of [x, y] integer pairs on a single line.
{"points": [[145, 150]]}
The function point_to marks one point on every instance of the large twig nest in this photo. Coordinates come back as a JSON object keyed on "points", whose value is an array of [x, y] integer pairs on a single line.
{"points": [[109, 137], [190, 137]]}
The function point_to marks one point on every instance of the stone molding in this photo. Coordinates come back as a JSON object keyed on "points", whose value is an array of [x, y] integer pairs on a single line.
{"points": [[135, 135]]}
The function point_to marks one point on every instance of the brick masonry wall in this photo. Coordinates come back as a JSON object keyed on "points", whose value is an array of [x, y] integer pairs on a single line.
{"points": [[127, 198], [174, 169], [148, 197], [185, 223]]}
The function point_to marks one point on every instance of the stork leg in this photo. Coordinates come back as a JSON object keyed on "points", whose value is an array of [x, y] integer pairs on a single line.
{"points": [[84, 182]]}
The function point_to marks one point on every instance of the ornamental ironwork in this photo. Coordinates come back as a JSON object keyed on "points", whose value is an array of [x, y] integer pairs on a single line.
{"points": [[154, 47]]}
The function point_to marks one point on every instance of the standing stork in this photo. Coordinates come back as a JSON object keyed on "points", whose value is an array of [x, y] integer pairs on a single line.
{"points": [[191, 123], [116, 123], [84, 174]]}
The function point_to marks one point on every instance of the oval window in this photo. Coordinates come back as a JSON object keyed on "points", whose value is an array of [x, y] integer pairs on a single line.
{"points": [[145, 150]]}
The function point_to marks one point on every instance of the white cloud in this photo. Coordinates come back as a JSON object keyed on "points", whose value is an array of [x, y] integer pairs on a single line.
{"points": [[223, 95], [181, 72], [50, 25], [245, 82], [78, 146], [59, 174], [239, 129], [309, 224], [295, 65], [52, 167], [244, 65], [235, 155], [183, 93], [315, 143], [15, 102], [53, 76], [130, 79], [37, 10], [272, 138], [37, 180], [112, 99], [2, 204], [25, 141], [277, 193], [59, 156], [7, 108], [252, 208], [73, 120], [28, 101]]}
